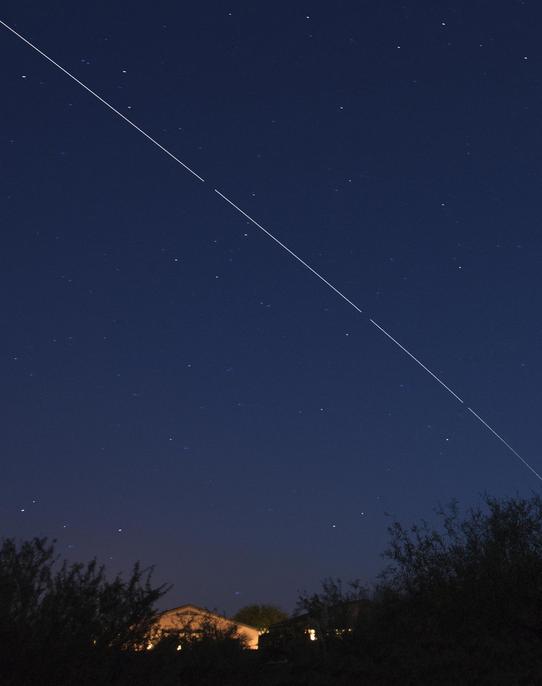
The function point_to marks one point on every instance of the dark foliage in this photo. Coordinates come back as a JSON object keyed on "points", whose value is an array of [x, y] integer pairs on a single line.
{"points": [[458, 604], [260, 616], [331, 610], [67, 623], [463, 603]]}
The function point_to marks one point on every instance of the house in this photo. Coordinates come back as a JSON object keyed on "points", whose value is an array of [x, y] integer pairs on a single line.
{"points": [[299, 632], [193, 622]]}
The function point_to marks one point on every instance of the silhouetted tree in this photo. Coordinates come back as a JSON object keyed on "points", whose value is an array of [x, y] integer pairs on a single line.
{"points": [[459, 603], [66, 623], [462, 603], [260, 616], [330, 610]]}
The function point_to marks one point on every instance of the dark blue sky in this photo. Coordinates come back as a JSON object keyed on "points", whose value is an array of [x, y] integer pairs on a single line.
{"points": [[176, 388]]}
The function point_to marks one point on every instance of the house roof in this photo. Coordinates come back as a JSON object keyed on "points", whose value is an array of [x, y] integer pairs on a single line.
{"points": [[205, 611]]}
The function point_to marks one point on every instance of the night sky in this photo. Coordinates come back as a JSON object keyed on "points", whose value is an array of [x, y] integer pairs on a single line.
{"points": [[176, 388]]}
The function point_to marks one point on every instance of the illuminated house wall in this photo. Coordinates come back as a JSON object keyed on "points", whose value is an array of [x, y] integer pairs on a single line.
{"points": [[190, 619]]}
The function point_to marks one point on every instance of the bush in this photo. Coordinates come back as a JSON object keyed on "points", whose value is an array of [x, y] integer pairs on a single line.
{"points": [[66, 623]]}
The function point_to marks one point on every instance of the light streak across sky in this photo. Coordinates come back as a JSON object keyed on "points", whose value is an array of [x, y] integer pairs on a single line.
{"points": [[278, 242]]}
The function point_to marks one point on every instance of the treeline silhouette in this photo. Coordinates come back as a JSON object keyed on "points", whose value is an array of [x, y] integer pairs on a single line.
{"points": [[458, 603]]}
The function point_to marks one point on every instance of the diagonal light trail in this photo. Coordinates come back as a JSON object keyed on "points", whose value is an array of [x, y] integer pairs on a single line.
{"points": [[415, 359], [104, 102], [501, 439], [291, 252], [276, 240]]}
